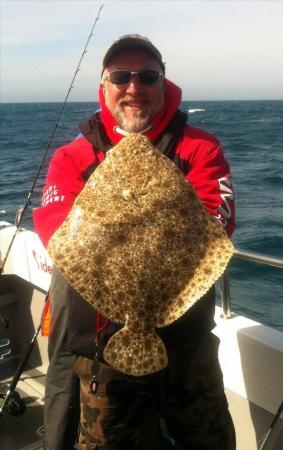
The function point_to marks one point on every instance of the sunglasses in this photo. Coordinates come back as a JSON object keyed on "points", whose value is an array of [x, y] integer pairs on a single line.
{"points": [[124, 77]]}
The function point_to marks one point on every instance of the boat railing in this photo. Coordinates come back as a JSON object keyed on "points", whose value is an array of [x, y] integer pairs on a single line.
{"points": [[225, 279]]}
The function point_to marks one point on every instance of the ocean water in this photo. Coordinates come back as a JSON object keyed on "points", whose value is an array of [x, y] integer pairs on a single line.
{"points": [[251, 134]]}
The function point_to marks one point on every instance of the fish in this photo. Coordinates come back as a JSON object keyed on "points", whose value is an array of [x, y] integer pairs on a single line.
{"points": [[140, 247]]}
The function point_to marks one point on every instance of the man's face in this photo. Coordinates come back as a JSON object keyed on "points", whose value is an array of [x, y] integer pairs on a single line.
{"points": [[133, 105]]}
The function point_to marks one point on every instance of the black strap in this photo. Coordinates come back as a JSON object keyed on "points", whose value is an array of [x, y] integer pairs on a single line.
{"points": [[94, 131], [167, 142], [88, 171]]}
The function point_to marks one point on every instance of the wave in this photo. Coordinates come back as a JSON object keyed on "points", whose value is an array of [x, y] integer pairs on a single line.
{"points": [[78, 111], [193, 110]]}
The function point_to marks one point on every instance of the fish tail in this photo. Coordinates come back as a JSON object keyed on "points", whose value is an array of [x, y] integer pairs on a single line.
{"points": [[136, 353]]}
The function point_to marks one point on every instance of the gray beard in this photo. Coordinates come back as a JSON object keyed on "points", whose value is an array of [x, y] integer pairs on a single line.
{"points": [[134, 125]]}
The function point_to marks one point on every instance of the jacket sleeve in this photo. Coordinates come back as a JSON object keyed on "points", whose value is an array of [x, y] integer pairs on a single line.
{"points": [[62, 185], [210, 175]]}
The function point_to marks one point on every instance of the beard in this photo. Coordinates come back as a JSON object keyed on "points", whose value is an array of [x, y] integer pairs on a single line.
{"points": [[134, 124], [133, 121]]}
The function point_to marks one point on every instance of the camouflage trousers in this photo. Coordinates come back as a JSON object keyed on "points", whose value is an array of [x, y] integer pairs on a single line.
{"points": [[127, 413]]}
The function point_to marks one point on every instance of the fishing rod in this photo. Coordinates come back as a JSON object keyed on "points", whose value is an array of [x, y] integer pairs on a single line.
{"points": [[275, 420], [50, 141]]}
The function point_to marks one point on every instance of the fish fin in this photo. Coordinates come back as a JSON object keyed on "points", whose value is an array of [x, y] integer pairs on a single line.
{"points": [[136, 353]]}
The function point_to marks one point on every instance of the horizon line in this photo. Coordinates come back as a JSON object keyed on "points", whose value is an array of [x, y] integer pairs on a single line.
{"points": [[191, 100]]}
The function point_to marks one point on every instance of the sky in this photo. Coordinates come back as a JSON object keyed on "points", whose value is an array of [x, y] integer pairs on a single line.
{"points": [[214, 50]]}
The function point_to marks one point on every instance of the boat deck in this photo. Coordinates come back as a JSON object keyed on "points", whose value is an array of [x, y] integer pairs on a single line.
{"points": [[20, 433]]}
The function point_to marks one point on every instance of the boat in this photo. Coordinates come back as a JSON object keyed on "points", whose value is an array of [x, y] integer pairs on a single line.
{"points": [[250, 354]]}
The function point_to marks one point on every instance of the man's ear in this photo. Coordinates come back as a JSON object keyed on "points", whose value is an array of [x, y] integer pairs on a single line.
{"points": [[102, 82]]}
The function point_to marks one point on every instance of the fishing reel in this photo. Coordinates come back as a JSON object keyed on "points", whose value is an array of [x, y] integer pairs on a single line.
{"points": [[13, 404]]}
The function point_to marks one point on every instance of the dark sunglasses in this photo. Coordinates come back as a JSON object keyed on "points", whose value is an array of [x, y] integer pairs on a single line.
{"points": [[124, 77]]}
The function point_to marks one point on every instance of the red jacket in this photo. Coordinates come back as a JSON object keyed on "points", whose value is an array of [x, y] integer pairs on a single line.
{"points": [[209, 172]]}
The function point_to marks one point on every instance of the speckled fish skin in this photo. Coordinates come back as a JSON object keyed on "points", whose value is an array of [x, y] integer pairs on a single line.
{"points": [[140, 247]]}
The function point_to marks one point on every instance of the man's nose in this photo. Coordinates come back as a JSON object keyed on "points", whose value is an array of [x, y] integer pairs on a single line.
{"points": [[134, 84]]}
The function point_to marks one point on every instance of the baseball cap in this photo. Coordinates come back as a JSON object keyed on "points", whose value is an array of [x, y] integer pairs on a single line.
{"points": [[129, 42]]}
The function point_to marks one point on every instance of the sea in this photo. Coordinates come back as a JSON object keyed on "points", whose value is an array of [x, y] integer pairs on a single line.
{"points": [[251, 134]]}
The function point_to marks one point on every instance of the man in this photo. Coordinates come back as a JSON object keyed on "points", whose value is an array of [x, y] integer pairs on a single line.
{"points": [[135, 96]]}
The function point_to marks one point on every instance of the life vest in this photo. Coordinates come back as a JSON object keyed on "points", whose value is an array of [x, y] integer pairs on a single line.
{"points": [[46, 318]]}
